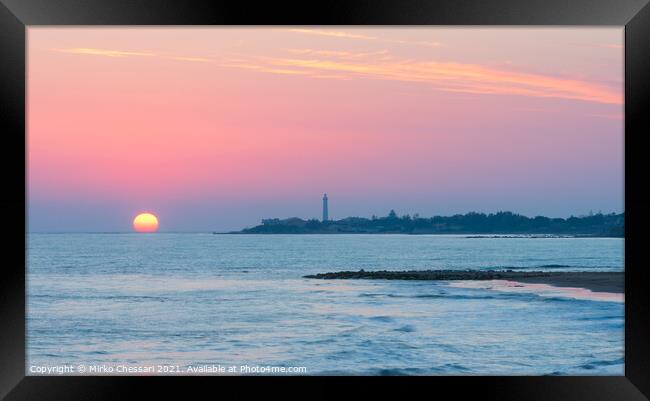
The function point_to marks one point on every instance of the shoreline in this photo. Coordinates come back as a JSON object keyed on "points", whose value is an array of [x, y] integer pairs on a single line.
{"points": [[613, 282], [467, 235]]}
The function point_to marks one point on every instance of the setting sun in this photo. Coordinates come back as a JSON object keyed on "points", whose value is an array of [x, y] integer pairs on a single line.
{"points": [[145, 223]]}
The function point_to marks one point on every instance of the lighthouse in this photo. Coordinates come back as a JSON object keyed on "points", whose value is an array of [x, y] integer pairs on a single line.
{"points": [[325, 212]]}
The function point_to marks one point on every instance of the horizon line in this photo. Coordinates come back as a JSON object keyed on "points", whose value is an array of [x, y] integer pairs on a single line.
{"points": [[27, 231]]}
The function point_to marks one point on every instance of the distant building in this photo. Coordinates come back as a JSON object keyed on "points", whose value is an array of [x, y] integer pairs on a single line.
{"points": [[325, 211]]}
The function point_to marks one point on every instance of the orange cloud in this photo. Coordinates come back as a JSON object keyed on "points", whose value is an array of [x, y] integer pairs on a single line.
{"points": [[343, 34], [458, 77], [446, 76], [197, 59], [338, 34], [103, 52], [339, 54], [122, 53]]}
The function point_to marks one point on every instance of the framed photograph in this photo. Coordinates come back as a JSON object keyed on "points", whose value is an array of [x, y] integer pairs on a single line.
{"points": [[450, 190]]}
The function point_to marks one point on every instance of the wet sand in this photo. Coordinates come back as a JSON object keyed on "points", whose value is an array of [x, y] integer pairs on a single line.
{"points": [[594, 281]]}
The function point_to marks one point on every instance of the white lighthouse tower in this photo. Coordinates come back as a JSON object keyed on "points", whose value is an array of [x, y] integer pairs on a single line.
{"points": [[325, 212]]}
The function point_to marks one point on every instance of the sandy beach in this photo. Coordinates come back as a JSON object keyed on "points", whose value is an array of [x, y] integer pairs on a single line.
{"points": [[594, 281]]}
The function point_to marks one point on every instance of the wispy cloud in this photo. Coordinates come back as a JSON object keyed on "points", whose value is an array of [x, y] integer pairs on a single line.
{"points": [[417, 42], [123, 54], [259, 65], [451, 77], [103, 52], [445, 76], [612, 46], [338, 34], [196, 59], [350, 35], [339, 54], [428, 44]]}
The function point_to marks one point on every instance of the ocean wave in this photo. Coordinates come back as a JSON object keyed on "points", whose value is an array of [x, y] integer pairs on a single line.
{"points": [[403, 371], [601, 363], [458, 296], [407, 328], [442, 295], [550, 266], [456, 367], [386, 319], [590, 318], [66, 297]]}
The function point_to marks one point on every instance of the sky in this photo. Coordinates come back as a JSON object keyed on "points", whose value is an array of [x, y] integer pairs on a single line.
{"points": [[216, 128]]}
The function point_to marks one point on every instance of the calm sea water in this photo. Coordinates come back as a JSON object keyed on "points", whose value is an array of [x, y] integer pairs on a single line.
{"points": [[232, 300]]}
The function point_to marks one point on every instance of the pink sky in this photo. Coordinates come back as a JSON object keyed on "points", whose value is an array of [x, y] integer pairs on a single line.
{"points": [[216, 128]]}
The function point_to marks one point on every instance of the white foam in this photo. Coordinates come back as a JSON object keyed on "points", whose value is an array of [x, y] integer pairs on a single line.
{"points": [[543, 290]]}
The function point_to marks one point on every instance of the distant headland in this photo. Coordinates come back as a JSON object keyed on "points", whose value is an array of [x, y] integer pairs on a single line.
{"points": [[508, 223], [494, 224]]}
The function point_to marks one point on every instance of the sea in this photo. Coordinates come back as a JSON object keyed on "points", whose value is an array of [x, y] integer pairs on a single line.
{"points": [[192, 304]]}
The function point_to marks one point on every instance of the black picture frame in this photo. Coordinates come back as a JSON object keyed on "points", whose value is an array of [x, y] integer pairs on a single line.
{"points": [[17, 15]]}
